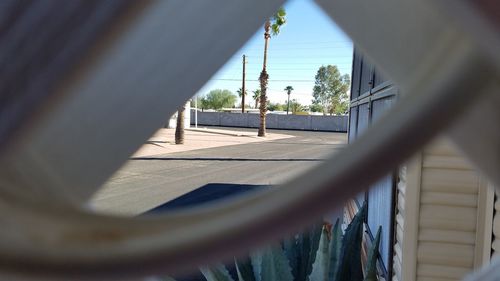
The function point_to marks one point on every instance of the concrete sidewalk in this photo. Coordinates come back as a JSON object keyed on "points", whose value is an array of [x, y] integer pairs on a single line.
{"points": [[163, 141]]}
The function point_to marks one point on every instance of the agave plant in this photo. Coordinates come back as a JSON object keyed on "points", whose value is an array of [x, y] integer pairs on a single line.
{"points": [[321, 253]]}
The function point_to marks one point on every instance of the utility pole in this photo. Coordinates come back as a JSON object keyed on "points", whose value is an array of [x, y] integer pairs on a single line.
{"points": [[243, 87]]}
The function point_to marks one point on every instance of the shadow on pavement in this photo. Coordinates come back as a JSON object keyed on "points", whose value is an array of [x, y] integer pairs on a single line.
{"points": [[208, 193]]}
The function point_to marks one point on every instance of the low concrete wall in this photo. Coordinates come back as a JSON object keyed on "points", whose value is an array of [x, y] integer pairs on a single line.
{"points": [[273, 121], [294, 122], [329, 123], [232, 119]]}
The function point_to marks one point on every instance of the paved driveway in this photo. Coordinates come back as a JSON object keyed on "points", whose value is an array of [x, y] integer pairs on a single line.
{"points": [[146, 182]]}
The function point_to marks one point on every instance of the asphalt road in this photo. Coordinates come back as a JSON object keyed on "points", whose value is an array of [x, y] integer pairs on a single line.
{"points": [[143, 184]]}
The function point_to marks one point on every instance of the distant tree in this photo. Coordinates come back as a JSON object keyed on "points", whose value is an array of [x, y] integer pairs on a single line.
{"points": [[193, 103], [316, 108], [275, 107], [330, 90], [288, 90], [218, 99], [295, 106], [203, 103], [272, 25], [240, 95], [340, 106], [256, 97], [239, 92]]}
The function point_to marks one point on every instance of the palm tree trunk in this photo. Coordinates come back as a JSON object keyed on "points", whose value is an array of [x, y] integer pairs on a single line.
{"points": [[288, 104], [179, 127], [263, 83], [263, 104]]}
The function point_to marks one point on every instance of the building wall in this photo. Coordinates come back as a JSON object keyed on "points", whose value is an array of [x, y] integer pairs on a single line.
{"points": [[444, 217], [372, 95], [437, 219]]}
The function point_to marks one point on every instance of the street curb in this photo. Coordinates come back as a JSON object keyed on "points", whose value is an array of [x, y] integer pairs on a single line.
{"points": [[233, 134]]}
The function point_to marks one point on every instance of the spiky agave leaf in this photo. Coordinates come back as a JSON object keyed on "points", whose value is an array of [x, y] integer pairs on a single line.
{"points": [[335, 250], [244, 269], [307, 245], [321, 264], [275, 265], [256, 261], [216, 273], [350, 264], [291, 251], [371, 266], [315, 237], [301, 251]]}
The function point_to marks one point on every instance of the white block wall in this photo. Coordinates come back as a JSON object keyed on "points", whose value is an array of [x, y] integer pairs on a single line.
{"points": [[172, 122]]}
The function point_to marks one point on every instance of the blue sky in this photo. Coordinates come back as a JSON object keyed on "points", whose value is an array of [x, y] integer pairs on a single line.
{"points": [[308, 40]]}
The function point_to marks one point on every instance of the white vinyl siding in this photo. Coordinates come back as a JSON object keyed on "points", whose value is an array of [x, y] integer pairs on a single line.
{"points": [[451, 217], [399, 226], [495, 246]]}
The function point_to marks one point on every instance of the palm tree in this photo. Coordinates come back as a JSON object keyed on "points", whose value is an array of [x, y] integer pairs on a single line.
{"points": [[272, 25], [240, 94], [296, 106], [289, 90], [256, 97], [179, 127]]}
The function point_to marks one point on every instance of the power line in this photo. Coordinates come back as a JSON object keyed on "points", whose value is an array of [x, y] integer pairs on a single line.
{"points": [[301, 63], [293, 94], [293, 61], [273, 71], [299, 56], [304, 56], [306, 42], [295, 48], [255, 80], [312, 67]]}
